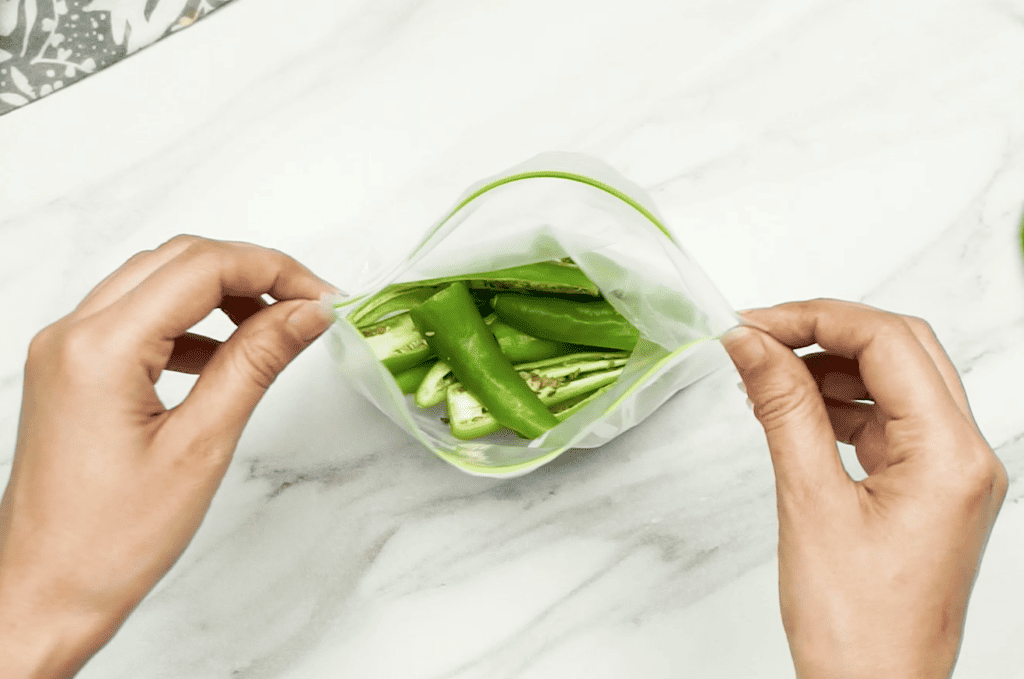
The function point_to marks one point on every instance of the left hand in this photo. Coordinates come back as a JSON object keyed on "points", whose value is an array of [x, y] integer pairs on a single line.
{"points": [[108, 486]]}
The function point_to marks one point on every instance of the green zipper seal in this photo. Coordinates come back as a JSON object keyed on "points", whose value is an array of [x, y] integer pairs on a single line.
{"points": [[550, 174]]}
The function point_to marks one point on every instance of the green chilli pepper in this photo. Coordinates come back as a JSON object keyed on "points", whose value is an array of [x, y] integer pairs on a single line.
{"points": [[388, 301], [564, 411], [467, 417], [571, 366], [410, 380], [456, 332], [595, 324], [554, 385], [558, 277], [554, 277], [435, 383], [555, 390], [397, 343], [515, 344], [519, 346]]}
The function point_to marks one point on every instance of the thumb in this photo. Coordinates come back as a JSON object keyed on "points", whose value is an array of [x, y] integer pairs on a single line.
{"points": [[790, 408], [243, 367]]}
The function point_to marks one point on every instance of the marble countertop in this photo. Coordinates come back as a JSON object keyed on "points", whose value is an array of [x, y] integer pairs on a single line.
{"points": [[871, 151]]}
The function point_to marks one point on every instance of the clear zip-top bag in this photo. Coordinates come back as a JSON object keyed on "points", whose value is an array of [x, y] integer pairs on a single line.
{"points": [[554, 206]]}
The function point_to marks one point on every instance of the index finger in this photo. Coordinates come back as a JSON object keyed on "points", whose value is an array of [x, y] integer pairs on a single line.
{"points": [[896, 369], [187, 288]]}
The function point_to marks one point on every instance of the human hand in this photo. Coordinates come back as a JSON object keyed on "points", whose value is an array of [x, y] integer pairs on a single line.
{"points": [[875, 575], [108, 486]]}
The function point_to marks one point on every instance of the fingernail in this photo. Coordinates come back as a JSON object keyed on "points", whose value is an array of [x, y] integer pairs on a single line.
{"points": [[742, 387], [310, 320], [745, 347]]}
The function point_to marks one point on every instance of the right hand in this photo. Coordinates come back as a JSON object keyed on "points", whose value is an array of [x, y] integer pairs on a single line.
{"points": [[874, 575]]}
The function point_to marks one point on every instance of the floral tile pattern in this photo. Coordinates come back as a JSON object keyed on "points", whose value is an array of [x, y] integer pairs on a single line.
{"points": [[46, 45]]}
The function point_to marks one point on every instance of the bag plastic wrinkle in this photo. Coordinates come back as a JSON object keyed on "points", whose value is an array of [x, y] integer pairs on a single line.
{"points": [[553, 206]]}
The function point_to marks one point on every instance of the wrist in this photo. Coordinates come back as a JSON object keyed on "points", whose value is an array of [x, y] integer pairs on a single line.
{"points": [[863, 664], [832, 671], [37, 643]]}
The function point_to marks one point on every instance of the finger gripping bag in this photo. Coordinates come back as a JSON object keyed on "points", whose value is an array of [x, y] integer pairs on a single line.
{"points": [[553, 206]]}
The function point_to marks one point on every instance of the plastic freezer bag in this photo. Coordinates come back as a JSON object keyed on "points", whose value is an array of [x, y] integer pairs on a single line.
{"points": [[550, 207]]}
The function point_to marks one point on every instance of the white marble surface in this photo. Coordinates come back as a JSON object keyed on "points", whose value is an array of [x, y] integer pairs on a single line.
{"points": [[870, 150]]}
